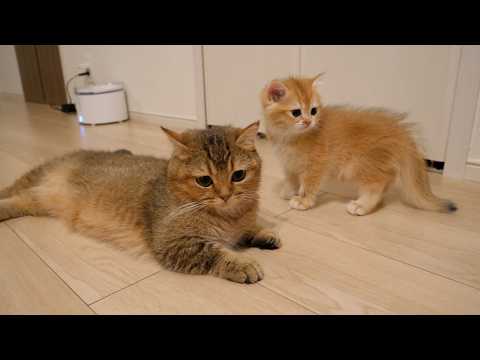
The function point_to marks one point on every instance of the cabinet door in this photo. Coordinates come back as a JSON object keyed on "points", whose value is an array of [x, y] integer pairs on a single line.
{"points": [[30, 73], [51, 73], [40, 69], [415, 79], [235, 75]]}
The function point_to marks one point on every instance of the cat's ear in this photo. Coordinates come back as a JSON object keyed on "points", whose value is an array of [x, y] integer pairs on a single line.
{"points": [[246, 138], [176, 140], [317, 80], [276, 91]]}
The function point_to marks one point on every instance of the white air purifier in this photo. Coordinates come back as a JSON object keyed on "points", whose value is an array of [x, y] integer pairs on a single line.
{"points": [[101, 104]]}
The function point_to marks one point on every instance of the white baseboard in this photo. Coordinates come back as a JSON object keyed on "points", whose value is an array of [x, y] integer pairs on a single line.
{"points": [[11, 96], [472, 172], [167, 121]]}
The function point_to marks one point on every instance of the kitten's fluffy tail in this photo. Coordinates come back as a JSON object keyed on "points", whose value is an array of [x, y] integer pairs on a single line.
{"points": [[416, 186]]}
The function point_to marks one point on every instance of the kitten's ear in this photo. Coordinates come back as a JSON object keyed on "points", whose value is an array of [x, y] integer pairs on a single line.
{"points": [[317, 80], [246, 138], [276, 91], [175, 139]]}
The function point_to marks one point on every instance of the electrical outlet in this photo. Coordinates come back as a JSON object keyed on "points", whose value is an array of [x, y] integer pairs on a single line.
{"points": [[84, 67]]}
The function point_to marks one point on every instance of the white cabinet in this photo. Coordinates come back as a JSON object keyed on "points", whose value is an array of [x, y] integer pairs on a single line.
{"points": [[416, 79], [235, 75], [472, 169], [474, 153]]}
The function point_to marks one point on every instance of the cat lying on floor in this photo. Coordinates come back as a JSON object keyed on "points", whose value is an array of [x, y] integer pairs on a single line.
{"points": [[192, 209]]}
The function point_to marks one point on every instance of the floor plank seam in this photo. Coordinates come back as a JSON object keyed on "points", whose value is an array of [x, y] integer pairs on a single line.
{"points": [[46, 264], [385, 256], [288, 298], [93, 310], [282, 213], [123, 288]]}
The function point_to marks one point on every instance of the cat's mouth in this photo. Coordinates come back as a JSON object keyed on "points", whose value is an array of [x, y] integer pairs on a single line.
{"points": [[233, 204], [226, 204], [304, 125]]}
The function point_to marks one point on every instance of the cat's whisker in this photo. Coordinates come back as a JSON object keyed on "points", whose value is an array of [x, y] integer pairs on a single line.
{"points": [[185, 208]]}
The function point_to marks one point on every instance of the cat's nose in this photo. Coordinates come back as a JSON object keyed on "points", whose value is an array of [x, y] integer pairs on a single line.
{"points": [[307, 122], [225, 196]]}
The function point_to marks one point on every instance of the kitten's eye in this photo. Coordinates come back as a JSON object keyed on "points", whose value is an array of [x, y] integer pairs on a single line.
{"points": [[238, 175], [313, 111], [204, 181], [296, 112]]}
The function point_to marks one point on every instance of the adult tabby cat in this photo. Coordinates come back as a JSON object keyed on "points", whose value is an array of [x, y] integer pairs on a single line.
{"points": [[193, 210], [371, 147]]}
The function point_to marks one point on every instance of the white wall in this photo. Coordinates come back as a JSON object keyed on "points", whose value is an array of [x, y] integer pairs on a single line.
{"points": [[416, 79], [158, 79], [10, 81]]}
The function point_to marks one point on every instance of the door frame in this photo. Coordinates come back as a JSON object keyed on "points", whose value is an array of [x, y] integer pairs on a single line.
{"points": [[463, 112], [200, 86]]}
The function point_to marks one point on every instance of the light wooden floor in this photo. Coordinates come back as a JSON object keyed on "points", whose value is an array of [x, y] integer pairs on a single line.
{"points": [[398, 260]]}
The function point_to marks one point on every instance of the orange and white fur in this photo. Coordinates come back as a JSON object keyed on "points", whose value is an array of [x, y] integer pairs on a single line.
{"points": [[370, 147]]}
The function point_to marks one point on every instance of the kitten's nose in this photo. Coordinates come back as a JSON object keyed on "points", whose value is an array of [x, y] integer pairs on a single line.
{"points": [[306, 122], [225, 196]]}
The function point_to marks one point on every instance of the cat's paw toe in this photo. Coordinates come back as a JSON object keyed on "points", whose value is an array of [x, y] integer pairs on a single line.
{"points": [[301, 203], [243, 271], [354, 208]]}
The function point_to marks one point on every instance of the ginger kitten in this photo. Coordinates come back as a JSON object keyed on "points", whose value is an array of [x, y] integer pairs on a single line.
{"points": [[371, 147], [193, 210]]}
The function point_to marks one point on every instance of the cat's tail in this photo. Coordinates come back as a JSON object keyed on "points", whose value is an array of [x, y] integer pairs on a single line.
{"points": [[17, 200], [25, 182], [416, 185]]}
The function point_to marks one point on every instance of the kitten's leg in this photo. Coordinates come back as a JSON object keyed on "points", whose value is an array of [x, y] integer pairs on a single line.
{"points": [[199, 256], [309, 187], [18, 206], [261, 238], [291, 186], [370, 196]]}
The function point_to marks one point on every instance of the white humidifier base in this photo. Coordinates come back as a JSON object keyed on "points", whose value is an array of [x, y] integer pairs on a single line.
{"points": [[101, 104]]}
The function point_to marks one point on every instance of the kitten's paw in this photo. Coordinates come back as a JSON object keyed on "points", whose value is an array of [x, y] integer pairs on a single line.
{"points": [[301, 203], [241, 270], [287, 192], [267, 239], [354, 208]]}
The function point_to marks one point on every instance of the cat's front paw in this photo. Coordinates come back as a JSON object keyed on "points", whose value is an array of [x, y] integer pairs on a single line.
{"points": [[242, 270], [301, 203], [354, 208], [266, 239]]}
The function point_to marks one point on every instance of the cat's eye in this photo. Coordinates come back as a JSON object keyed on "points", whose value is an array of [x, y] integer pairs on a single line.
{"points": [[204, 181], [313, 111], [296, 112], [238, 175]]}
